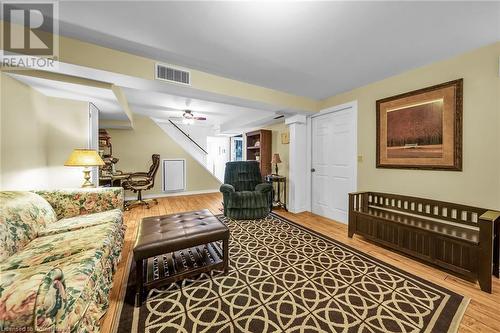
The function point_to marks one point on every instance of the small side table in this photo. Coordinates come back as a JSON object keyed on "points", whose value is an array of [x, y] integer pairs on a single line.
{"points": [[278, 180]]}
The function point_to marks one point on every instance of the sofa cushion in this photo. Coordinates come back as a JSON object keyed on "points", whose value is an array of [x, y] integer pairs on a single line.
{"points": [[82, 221], [51, 248], [69, 202], [22, 216]]}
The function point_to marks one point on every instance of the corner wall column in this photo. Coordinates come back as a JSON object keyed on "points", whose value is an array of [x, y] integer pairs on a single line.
{"points": [[298, 172]]}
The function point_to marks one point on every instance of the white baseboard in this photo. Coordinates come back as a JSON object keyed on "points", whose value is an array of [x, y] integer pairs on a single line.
{"points": [[173, 194]]}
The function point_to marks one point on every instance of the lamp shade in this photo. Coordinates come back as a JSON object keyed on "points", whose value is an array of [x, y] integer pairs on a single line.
{"points": [[84, 158], [276, 158]]}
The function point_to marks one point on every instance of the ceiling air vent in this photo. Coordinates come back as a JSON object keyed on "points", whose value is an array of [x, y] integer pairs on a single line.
{"points": [[172, 74]]}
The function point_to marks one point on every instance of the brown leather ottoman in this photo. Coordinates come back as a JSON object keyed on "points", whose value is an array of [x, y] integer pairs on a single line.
{"points": [[177, 246]]}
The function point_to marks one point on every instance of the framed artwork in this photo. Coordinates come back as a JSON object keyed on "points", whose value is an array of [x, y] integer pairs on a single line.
{"points": [[285, 138], [421, 129]]}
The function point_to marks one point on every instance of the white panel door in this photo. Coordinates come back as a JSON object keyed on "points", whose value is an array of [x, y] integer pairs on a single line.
{"points": [[333, 163]]}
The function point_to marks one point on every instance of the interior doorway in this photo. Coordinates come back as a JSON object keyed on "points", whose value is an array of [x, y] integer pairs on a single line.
{"points": [[333, 160], [217, 155], [237, 148]]}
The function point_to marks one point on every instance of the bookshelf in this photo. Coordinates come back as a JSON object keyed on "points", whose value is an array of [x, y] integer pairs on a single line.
{"points": [[258, 148]]}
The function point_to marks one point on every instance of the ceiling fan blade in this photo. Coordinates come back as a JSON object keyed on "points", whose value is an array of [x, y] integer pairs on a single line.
{"points": [[175, 118], [199, 118]]}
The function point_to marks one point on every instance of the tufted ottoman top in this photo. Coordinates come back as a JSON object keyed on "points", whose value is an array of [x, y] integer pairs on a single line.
{"points": [[168, 233]]}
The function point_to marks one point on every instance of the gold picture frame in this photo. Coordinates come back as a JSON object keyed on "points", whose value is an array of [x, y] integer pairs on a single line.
{"points": [[421, 129]]}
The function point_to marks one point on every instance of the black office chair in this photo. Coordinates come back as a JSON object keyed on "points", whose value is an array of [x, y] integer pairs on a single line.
{"points": [[142, 181]]}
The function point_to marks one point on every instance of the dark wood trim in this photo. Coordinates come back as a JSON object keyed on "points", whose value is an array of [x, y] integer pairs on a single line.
{"points": [[458, 130]]}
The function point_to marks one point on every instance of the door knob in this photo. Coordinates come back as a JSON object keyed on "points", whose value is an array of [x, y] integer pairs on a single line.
{"points": [[312, 170]]}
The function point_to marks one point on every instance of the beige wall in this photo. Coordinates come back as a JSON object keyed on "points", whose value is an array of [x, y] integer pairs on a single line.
{"points": [[134, 148], [67, 129], [479, 182], [37, 135], [282, 149]]}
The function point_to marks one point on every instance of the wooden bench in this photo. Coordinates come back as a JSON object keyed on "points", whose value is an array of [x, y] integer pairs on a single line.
{"points": [[462, 239]]}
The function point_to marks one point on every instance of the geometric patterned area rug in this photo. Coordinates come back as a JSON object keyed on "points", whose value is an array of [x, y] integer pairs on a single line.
{"points": [[286, 278]]}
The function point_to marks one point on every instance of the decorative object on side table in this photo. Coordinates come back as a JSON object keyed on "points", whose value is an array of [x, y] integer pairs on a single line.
{"points": [[277, 179], [275, 160], [85, 158], [421, 129]]}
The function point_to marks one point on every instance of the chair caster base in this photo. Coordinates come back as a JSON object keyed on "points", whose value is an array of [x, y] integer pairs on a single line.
{"points": [[136, 203]]}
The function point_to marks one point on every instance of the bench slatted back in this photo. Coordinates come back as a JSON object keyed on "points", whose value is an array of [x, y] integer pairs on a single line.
{"points": [[418, 206]]}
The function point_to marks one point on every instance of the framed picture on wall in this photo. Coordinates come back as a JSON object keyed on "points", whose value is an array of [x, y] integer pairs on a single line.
{"points": [[421, 129]]}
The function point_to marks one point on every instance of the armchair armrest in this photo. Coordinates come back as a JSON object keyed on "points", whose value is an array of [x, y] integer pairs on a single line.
{"points": [[264, 187], [138, 174], [74, 202], [33, 299], [226, 188]]}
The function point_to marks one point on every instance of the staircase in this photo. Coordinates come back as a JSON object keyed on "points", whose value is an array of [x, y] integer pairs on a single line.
{"points": [[193, 139]]}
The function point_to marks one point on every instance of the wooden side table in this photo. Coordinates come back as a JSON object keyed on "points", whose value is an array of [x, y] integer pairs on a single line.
{"points": [[278, 180]]}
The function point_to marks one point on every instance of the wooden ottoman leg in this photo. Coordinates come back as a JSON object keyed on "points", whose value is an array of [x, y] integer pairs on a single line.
{"points": [[226, 254], [139, 277]]}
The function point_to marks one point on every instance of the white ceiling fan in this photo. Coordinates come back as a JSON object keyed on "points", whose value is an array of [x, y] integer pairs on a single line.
{"points": [[187, 116]]}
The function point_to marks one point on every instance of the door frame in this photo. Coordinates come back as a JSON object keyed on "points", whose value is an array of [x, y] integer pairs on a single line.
{"points": [[353, 105], [93, 138]]}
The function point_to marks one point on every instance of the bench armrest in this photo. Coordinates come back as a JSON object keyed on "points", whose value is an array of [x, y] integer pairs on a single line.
{"points": [[490, 215]]}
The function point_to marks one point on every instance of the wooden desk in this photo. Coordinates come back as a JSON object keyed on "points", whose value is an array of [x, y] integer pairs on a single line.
{"points": [[113, 180]]}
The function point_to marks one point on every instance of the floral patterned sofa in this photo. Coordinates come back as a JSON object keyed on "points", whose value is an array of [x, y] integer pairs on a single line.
{"points": [[58, 252]]}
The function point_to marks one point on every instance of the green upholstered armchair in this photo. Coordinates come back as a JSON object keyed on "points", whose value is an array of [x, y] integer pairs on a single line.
{"points": [[245, 195]]}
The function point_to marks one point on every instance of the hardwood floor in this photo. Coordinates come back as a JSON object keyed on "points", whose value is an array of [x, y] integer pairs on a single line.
{"points": [[482, 315]]}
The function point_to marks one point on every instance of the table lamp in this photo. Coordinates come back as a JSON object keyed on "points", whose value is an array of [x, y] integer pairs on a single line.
{"points": [[85, 158], [275, 160]]}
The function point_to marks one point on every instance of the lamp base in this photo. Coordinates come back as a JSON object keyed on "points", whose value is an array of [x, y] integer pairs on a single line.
{"points": [[86, 176]]}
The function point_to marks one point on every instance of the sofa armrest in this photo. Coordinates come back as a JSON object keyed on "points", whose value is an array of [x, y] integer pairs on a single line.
{"points": [[226, 188], [264, 187], [74, 202], [33, 299]]}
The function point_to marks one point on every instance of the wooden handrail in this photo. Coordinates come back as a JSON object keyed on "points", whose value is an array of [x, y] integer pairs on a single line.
{"points": [[187, 136]]}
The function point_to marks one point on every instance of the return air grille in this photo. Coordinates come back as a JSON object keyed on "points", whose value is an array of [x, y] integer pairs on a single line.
{"points": [[172, 74]]}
